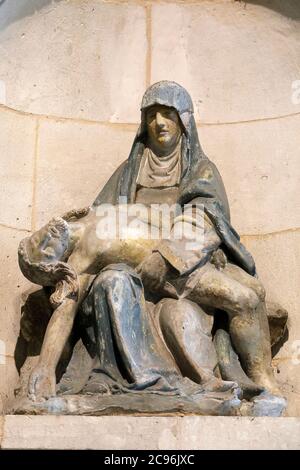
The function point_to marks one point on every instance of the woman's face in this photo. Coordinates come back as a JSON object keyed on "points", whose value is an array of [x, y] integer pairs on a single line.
{"points": [[164, 130]]}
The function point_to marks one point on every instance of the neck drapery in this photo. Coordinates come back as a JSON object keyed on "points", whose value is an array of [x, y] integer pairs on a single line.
{"points": [[159, 172]]}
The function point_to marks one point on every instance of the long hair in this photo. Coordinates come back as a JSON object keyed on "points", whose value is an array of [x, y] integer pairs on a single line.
{"points": [[58, 274]]}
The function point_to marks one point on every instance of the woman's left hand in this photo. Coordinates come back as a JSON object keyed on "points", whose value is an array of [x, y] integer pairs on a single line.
{"points": [[153, 271]]}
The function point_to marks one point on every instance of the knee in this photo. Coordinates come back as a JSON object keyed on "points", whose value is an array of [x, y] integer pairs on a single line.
{"points": [[247, 300], [259, 290], [108, 278], [184, 314], [166, 310]]}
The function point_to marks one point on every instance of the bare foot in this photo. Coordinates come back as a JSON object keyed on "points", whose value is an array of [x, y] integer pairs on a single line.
{"points": [[268, 383], [250, 389], [213, 384]]}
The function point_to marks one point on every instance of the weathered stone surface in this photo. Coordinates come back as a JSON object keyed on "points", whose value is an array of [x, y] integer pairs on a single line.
{"points": [[278, 267], [12, 288], [231, 369], [77, 59], [239, 433], [134, 403], [17, 145], [14, 10], [8, 384], [253, 158], [259, 163], [129, 432], [277, 317], [1, 424], [279, 270], [174, 324], [268, 405], [286, 367], [238, 63], [230, 366], [75, 161]]}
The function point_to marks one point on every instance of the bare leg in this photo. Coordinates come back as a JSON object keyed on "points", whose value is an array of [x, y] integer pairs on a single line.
{"points": [[247, 317]]}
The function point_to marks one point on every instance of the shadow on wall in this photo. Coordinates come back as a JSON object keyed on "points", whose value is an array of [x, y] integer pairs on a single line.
{"points": [[288, 8], [14, 10]]}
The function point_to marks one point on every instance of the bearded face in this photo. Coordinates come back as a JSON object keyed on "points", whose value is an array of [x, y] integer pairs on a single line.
{"points": [[50, 243]]}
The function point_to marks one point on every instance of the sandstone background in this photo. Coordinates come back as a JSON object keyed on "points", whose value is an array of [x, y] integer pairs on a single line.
{"points": [[72, 75]]}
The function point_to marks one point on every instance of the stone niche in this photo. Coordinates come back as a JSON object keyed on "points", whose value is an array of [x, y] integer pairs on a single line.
{"points": [[72, 76]]}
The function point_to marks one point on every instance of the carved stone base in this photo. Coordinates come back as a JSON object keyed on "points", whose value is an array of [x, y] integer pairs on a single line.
{"points": [[144, 404], [132, 403], [149, 433]]}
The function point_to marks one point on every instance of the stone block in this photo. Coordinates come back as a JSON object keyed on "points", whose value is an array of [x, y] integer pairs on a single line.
{"points": [[149, 433], [278, 268], [75, 161], [277, 260], [9, 379], [81, 59], [17, 146], [259, 163], [13, 287], [239, 433], [238, 63], [13, 290]]}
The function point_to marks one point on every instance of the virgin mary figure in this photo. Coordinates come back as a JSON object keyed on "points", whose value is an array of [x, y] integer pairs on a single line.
{"points": [[150, 329]]}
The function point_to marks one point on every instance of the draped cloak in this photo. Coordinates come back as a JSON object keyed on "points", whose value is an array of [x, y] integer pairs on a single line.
{"points": [[120, 328]]}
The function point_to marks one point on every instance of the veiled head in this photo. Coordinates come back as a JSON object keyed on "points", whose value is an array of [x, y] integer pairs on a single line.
{"points": [[164, 128]]}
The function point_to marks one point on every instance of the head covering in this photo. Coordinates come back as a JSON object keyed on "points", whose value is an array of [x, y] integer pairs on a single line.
{"points": [[167, 93]]}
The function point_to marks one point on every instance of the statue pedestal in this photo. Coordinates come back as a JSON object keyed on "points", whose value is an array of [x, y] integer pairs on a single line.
{"points": [[149, 432]]}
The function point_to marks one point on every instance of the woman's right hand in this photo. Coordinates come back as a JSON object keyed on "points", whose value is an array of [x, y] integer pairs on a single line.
{"points": [[42, 383]]}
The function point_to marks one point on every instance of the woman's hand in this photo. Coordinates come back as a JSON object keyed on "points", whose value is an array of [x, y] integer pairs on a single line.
{"points": [[42, 383], [153, 271]]}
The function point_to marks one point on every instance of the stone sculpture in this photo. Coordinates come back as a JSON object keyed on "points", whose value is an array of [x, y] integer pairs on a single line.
{"points": [[174, 323]]}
